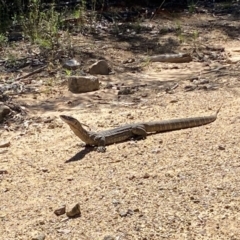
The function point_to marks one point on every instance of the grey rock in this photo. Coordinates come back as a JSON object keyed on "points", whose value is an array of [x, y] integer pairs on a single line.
{"points": [[80, 84], [101, 67], [125, 212], [71, 64]]}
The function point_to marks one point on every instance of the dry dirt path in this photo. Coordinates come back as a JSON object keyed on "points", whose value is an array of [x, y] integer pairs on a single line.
{"points": [[175, 185]]}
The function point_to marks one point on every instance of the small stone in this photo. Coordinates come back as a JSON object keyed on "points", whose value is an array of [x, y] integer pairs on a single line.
{"points": [[70, 179], [220, 147], [130, 60], [39, 237], [109, 86], [3, 215], [60, 211], [136, 210], [125, 212], [174, 101], [125, 91], [156, 150], [4, 144], [75, 212], [115, 202], [132, 177], [48, 120], [144, 95], [41, 222], [52, 125], [101, 67], [71, 64], [44, 170], [146, 175]]}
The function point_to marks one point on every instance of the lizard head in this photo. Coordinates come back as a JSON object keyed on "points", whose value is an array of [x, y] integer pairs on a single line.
{"points": [[73, 123], [76, 127], [69, 120]]}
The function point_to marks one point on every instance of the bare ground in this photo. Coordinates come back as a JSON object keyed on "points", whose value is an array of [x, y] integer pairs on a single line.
{"points": [[176, 185]]}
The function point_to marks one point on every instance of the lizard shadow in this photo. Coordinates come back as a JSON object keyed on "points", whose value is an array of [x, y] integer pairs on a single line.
{"points": [[87, 149], [80, 155]]}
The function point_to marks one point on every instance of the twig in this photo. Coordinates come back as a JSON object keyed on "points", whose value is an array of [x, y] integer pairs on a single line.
{"points": [[157, 10], [31, 73]]}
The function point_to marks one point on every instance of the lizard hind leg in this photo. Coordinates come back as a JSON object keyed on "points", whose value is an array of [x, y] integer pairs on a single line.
{"points": [[139, 132]]}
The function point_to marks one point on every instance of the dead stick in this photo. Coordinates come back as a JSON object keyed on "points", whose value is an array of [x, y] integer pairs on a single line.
{"points": [[31, 73], [157, 10]]}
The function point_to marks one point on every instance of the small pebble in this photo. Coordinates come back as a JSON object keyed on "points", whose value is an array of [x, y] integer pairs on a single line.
{"points": [[4, 144], [220, 147], [39, 237], [60, 211], [146, 175], [75, 212], [3, 171]]}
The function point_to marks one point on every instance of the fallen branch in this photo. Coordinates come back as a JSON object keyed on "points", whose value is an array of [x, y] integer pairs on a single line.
{"points": [[31, 73], [170, 58]]}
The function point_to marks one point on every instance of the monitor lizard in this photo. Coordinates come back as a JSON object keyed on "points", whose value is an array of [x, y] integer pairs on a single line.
{"points": [[133, 130]]}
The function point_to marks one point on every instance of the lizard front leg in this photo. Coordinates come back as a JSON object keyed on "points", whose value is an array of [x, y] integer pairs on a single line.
{"points": [[100, 140]]}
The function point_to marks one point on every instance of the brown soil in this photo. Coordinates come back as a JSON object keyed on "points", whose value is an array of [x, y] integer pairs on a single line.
{"points": [[176, 185]]}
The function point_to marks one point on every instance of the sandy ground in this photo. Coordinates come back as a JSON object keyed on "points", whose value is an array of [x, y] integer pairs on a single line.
{"points": [[176, 185]]}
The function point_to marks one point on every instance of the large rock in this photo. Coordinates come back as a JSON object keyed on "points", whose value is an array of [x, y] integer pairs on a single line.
{"points": [[80, 84], [101, 67], [4, 111]]}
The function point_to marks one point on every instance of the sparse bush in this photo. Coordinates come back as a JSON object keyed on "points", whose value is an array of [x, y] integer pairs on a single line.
{"points": [[41, 26]]}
